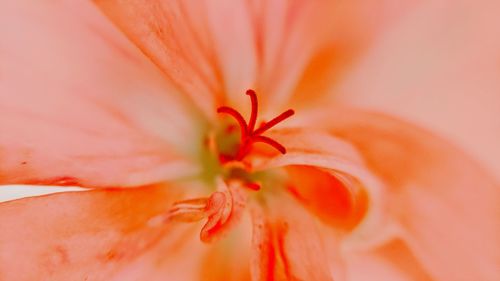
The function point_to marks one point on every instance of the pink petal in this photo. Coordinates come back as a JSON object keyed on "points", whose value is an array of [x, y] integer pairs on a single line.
{"points": [[228, 259], [438, 67], [214, 50], [442, 204], [91, 235], [81, 106], [392, 262], [355, 27], [286, 243]]}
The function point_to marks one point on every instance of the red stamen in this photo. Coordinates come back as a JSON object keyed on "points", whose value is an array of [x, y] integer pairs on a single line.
{"points": [[236, 115], [248, 135], [274, 121], [271, 142], [255, 109]]}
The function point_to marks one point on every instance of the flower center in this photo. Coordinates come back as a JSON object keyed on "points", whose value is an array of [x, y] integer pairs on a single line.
{"points": [[223, 159], [248, 134]]}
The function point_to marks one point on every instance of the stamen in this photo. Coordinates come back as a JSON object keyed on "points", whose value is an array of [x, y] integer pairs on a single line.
{"points": [[248, 135], [271, 142], [184, 211], [274, 121], [222, 210], [236, 115], [188, 210]]}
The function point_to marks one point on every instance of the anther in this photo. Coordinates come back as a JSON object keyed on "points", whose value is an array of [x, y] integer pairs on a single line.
{"points": [[255, 110]]}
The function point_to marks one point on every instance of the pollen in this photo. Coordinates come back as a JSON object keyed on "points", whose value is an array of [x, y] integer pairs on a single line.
{"points": [[251, 135]]}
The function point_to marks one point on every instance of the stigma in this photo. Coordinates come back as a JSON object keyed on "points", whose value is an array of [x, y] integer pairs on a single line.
{"points": [[249, 134]]}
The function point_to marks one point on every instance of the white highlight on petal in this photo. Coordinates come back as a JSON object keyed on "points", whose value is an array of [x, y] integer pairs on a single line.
{"points": [[13, 192]]}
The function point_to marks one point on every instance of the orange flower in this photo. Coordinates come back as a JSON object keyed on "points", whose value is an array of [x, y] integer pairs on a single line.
{"points": [[188, 178]]}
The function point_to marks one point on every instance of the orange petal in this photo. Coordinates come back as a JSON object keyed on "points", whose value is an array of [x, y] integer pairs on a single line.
{"points": [[286, 244], [329, 177], [92, 235], [80, 105], [444, 206], [337, 202], [438, 68]]}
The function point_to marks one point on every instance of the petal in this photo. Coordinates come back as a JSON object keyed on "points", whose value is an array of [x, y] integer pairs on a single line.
{"points": [[327, 194], [228, 259], [392, 262], [90, 235], [80, 105], [214, 50], [176, 258], [443, 205], [438, 68], [286, 243], [355, 27], [329, 176], [172, 36]]}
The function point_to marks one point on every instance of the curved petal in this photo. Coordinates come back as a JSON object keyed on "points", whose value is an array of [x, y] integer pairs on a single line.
{"points": [[286, 243], [444, 205], [90, 235], [439, 69], [328, 175], [80, 105], [335, 198]]}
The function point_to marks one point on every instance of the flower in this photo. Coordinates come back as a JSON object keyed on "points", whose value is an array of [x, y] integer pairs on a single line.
{"points": [[336, 191]]}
